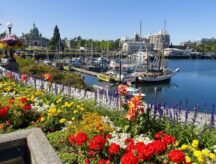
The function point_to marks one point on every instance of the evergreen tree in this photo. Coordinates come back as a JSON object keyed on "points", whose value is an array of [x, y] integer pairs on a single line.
{"points": [[56, 42]]}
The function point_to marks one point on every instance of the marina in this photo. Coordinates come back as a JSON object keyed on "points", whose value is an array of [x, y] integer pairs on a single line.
{"points": [[193, 86]]}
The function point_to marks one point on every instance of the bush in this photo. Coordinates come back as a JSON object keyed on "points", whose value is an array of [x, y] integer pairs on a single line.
{"points": [[30, 67]]}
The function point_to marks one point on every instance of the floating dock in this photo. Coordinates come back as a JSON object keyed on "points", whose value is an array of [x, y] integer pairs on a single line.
{"points": [[84, 71]]}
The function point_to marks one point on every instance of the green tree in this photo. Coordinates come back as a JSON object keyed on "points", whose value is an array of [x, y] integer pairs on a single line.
{"points": [[2, 35], [56, 42]]}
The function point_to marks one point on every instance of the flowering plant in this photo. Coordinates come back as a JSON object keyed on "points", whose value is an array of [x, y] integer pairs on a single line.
{"points": [[108, 150], [196, 155]]}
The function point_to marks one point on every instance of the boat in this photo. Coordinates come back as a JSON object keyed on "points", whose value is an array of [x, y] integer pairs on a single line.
{"points": [[102, 85], [135, 91], [106, 77], [157, 70], [66, 68], [161, 76]]}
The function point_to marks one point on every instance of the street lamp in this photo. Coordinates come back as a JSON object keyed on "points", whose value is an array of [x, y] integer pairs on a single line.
{"points": [[10, 51], [9, 25]]}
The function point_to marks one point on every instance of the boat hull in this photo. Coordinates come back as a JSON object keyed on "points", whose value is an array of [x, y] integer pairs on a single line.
{"points": [[153, 80]]}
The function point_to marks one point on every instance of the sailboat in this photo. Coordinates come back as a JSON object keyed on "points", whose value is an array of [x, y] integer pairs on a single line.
{"points": [[47, 61], [157, 71]]}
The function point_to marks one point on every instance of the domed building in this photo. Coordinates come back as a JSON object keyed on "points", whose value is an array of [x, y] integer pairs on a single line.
{"points": [[34, 38]]}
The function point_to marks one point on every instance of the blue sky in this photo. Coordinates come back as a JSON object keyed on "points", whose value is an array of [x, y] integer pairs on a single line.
{"points": [[111, 19]]}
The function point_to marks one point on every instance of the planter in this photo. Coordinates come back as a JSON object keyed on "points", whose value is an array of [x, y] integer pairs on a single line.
{"points": [[27, 146]]}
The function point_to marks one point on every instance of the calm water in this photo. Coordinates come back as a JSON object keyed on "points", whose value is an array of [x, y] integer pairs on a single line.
{"points": [[195, 83]]}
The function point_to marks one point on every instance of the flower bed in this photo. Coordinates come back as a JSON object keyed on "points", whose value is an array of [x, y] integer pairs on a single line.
{"points": [[83, 132]]}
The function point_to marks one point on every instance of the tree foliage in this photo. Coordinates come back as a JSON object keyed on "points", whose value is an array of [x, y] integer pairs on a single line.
{"points": [[97, 45], [209, 46], [56, 42]]}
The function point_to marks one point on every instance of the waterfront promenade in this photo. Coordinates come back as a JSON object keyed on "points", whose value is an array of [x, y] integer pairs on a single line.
{"points": [[112, 102]]}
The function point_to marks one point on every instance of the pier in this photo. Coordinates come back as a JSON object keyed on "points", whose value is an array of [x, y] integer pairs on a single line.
{"points": [[84, 71]]}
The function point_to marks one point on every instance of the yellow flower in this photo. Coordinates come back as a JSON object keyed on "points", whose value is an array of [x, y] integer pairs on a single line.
{"points": [[42, 119], [212, 155], [38, 93], [75, 111], [200, 159], [32, 98], [187, 159], [205, 152], [53, 111], [59, 100], [82, 109], [195, 143], [62, 121], [73, 118], [184, 147], [197, 153]]}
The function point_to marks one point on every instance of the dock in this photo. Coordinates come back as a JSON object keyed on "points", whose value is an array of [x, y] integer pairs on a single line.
{"points": [[84, 71]]}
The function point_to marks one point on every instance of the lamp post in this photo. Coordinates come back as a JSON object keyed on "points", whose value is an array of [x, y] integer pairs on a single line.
{"points": [[9, 25], [10, 51]]}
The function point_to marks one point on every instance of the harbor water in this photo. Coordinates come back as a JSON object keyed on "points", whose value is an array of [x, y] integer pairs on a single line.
{"points": [[194, 86]]}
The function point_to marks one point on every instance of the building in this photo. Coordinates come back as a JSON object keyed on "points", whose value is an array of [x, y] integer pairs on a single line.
{"points": [[159, 40], [34, 38], [131, 47], [156, 41]]}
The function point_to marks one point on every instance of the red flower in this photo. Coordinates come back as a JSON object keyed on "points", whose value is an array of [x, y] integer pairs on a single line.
{"points": [[130, 147], [114, 148], [91, 153], [158, 146], [129, 158], [26, 107], [24, 77], [23, 100], [9, 75], [87, 161], [81, 138], [97, 143], [47, 77], [103, 161], [129, 140], [168, 139], [122, 90], [108, 136], [11, 100], [176, 156], [159, 135], [141, 148], [71, 139], [3, 111]]}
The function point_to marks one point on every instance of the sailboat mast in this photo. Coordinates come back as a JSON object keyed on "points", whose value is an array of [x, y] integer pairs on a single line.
{"points": [[140, 30], [161, 63]]}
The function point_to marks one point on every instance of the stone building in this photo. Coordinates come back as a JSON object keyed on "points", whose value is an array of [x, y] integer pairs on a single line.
{"points": [[131, 47], [34, 38], [160, 40]]}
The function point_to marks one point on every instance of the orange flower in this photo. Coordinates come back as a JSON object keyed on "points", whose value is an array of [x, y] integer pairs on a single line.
{"points": [[9, 75], [47, 76], [24, 77], [131, 114], [122, 90], [135, 104]]}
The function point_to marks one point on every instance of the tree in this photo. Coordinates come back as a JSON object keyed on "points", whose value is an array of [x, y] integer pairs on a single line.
{"points": [[56, 42], [2, 35]]}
